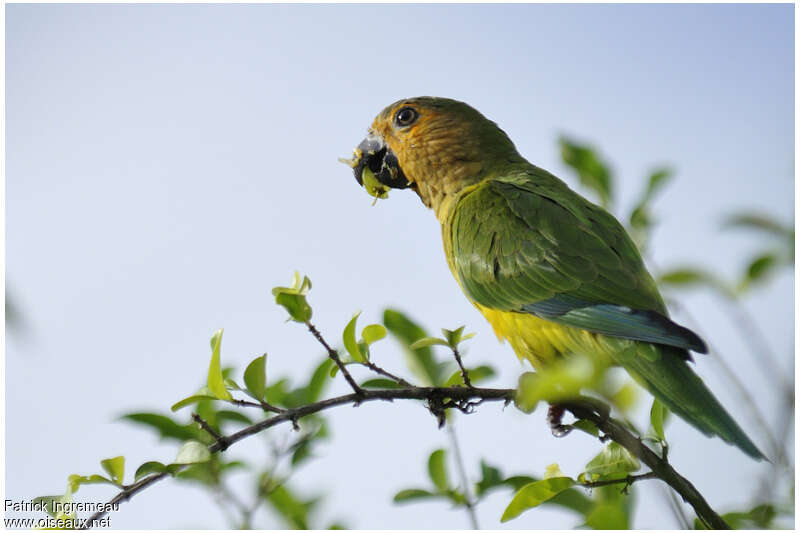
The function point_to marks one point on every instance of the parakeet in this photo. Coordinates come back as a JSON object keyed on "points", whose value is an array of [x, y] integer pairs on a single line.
{"points": [[553, 273]]}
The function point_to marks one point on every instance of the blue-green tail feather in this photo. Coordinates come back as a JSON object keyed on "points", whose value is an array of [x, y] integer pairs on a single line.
{"points": [[672, 381]]}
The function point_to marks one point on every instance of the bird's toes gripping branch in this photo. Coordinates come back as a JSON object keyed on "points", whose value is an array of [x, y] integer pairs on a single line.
{"points": [[439, 405], [555, 414], [582, 408]]}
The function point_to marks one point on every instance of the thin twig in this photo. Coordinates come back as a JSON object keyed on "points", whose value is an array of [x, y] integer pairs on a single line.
{"points": [[628, 480], [334, 355], [378, 370], [218, 439], [470, 505], [264, 406], [464, 373]]}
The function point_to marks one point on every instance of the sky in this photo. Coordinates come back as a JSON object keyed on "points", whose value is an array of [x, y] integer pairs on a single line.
{"points": [[167, 165]]}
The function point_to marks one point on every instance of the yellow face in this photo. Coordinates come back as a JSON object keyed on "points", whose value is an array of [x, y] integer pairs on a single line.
{"points": [[431, 145], [429, 136]]}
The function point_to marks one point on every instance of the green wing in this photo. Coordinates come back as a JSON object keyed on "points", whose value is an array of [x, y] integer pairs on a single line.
{"points": [[528, 243]]}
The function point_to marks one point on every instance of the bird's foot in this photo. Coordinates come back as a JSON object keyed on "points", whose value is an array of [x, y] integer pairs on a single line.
{"points": [[554, 415]]}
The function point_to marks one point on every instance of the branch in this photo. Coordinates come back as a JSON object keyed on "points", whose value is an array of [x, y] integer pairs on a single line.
{"points": [[219, 440], [459, 398], [660, 467], [378, 370], [464, 373], [334, 355], [470, 505], [628, 480], [464, 399]]}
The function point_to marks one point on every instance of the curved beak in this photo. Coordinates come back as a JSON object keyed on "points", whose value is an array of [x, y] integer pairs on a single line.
{"points": [[373, 153]]}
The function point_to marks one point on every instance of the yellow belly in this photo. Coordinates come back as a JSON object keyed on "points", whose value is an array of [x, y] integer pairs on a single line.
{"points": [[541, 341]]}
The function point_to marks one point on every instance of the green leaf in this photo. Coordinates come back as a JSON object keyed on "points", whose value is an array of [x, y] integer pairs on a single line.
{"points": [[114, 467], [455, 496], [517, 482], [625, 397], [374, 188], [476, 375], [760, 265], [453, 336], [301, 452], [319, 378], [640, 215], [640, 218], [420, 360], [658, 179], [758, 221], [166, 427], [207, 473], [278, 392], [572, 499], [562, 380], [658, 413], [190, 401], [412, 494], [690, 277], [255, 377], [75, 481], [192, 452], [229, 383], [759, 517], [216, 383], [428, 341], [607, 516], [349, 339], [684, 276], [759, 269], [553, 470], [490, 478], [46, 502], [592, 172], [233, 416], [525, 398], [611, 463], [534, 494], [293, 298], [373, 333], [437, 470], [293, 510], [380, 383], [586, 426], [295, 304], [150, 467], [232, 465]]}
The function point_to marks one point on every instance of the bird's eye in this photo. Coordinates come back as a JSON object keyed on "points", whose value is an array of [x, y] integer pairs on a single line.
{"points": [[406, 116]]}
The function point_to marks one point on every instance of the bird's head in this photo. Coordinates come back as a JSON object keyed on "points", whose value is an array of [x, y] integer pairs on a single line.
{"points": [[435, 146]]}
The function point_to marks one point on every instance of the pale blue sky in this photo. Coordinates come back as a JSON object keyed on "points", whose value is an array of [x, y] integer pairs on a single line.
{"points": [[168, 165]]}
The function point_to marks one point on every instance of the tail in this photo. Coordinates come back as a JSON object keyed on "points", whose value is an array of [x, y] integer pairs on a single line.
{"points": [[670, 379]]}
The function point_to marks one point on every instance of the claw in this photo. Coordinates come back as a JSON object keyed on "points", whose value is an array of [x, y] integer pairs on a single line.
{"points": [[554, 415]]}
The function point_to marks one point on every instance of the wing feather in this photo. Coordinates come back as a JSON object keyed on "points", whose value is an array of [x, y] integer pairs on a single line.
{"points": [[529, 244]]}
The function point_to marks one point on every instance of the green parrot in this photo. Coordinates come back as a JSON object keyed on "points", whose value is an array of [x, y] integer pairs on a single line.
{"points": [[553, 273]]}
